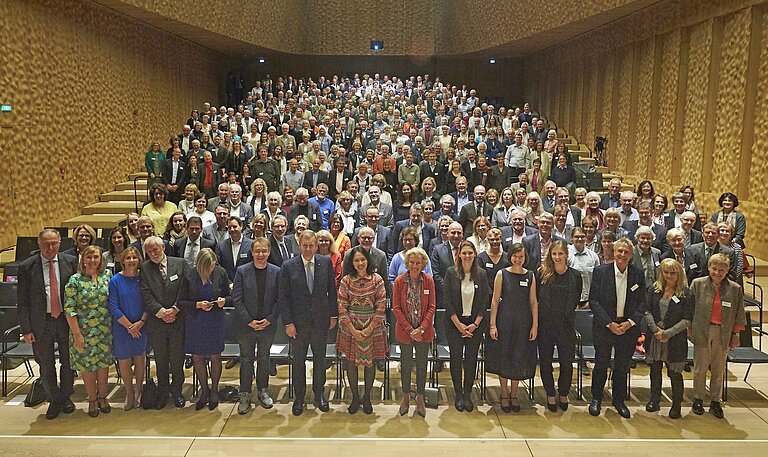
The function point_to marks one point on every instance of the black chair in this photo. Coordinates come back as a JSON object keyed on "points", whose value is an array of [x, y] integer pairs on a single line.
{"points": [[440, 350], [15, 348], [280, 352], [756, 300], [25, 247], [585, 346], [745, 353], [393, 354]]}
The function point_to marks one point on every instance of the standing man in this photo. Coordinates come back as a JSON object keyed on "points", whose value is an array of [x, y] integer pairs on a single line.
{"points": [[308, 309], [161, 279], [175, 176], [235, 251], [42, 278], [617, 297]]}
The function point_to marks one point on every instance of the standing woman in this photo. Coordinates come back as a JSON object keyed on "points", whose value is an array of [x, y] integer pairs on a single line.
{"points": [[511, 351], [670, 311], [159, 209], [129, 340], [494, 259], [153, 162], [728, 203], [89, 321], [205, 294], [362, 339], [466, 300], [559, 290], [118, 241], [413, 304]]}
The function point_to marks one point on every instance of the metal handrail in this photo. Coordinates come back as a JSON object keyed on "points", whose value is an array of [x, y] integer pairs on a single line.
{"points": [[136, 192]]}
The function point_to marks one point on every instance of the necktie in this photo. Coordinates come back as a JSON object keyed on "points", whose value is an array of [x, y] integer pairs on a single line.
{"points": [[54, 285], [479, 210], [284, 251], [192, 254], [708, 253], [163, 270], [310, 276]]}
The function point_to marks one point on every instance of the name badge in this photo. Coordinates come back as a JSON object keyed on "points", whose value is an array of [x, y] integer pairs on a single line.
{"points": [[436, 173], [657, 264], [693, 265], [476, 286], [326, 212], [508, 238], [725, 304], [314, 217], [426, 291], [111, 265], [173, 278], [488, 265], [675, 299], [633, 288], [524, 283], [244, 255], [261, 173]]}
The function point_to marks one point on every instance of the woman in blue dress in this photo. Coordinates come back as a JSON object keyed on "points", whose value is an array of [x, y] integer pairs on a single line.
{"points": [[129, 339], [203, 299]]}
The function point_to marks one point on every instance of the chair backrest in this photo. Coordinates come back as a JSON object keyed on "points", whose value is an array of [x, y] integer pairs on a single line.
{"points": [[25, 246], [583, 324], [392, 322], [280, 336], [440, 337], [745, 337], [8, 294], [230, 336], [66, 243]]}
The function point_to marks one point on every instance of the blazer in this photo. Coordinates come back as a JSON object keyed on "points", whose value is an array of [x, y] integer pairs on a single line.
{"points": [[31, 299], [425, 171], [427, 233], [190, 293], [637, 261], [201, 176], [275, 256], [180, 246], [507, 233], [700, 250], [669, 221], [541, 179], [346, 177], [733, 317], [168, 250], [452, 294], [660, 231], [386, 215], [532, 245], [158, 292], [677, 311], [311, 211], [181, 173], [602, 295], [308, 179], [691, 265], [468, 214], [245, 293], [383, 235], [426, 311], [224, 253], [605, 201], [308, 310]]}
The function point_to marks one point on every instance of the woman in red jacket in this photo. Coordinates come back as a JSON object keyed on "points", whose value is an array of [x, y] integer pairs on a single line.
{"points": [[413, 304]]}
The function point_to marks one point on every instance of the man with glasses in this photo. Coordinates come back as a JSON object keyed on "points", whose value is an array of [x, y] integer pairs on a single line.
{"points": [[381, 234]]}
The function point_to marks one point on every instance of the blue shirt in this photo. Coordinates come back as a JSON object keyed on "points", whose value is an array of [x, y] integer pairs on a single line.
{"points": [[326, 208]]}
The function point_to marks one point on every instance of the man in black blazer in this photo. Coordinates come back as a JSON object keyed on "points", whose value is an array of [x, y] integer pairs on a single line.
{"points": [[308, 309], [382, 234], [426, 232], [206, 186], [146, 227], [644, 210], [235, 251], [709, 247], [340, 173], [515, 233], [314, 177], [443, 257], [688, 222], [471, 211], [162, 278], [281, 247], [532, 243], [612, 198], [187, 247], [304, 207], [255, 298], [617, 297], [40, 304], [688, 258], [431, 168], [175, 176]]}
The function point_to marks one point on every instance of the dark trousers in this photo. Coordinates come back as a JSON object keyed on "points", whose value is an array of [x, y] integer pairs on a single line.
{"points": [[463, 356], [168, 342], [624, 347], [675, 378], [564, 338], [406, 365], [56, 331], [305, 339], [259, 342]]}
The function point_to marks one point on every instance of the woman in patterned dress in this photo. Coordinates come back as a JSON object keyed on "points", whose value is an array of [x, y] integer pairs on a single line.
{"points": [[361, 338], [90, 340]]}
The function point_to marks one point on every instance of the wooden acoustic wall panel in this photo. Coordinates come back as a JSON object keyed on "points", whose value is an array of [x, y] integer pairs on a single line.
{"points": [[605, 105], [641, 115], [90, 90], [696, 103], [590, 100], [668, 103], [577, 107], [758, 187], [621, 149], [730, 101]]}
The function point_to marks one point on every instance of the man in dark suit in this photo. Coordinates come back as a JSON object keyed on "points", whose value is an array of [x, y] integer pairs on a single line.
{"points": [[381, 233], [208, 175], [431, 168], [472, 211], [162, 278], [617, 297], [644, 211], [304, 207], [563, 197], [255, 297], [40, 300], [218, 232], [443, 257], [709, 247], [187, 247], [235, 251], [281, 247], [674, 217], [612, 198], [146, 229], [426, 231], [688, 222], [549, 197], [685, 256], [386, 214], [338, 178], [646, 257], [175, 176], [314, 177], [308, 309], [533, 243], [515, 233]]}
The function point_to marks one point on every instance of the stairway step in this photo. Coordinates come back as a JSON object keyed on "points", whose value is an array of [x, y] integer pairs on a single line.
{"points": [[97, 221], [111, 207], [128, 185], [139, 174], [123, 195]]}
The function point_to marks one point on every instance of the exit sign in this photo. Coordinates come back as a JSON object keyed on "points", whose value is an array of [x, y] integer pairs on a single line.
{"points": [[6, 108]]}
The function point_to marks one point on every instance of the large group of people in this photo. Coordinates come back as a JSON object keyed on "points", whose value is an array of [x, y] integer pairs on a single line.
{"points": [[356, 205]]}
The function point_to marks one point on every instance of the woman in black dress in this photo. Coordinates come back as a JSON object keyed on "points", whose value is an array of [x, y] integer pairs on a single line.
{"points": [[203, 299], [559, 292], [494, 259], [511, 350], [466, 300]]}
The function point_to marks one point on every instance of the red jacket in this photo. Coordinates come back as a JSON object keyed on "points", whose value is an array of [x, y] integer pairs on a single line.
{"points": [[400, 307]]}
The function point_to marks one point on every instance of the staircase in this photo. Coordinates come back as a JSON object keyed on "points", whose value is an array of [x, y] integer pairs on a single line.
{"points": [[113, 206]]}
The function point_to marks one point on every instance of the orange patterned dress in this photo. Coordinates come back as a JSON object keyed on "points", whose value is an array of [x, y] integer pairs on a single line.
{"points": [[362, 301]]}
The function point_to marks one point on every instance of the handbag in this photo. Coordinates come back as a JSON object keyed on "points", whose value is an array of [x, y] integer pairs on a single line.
{"points": [[149, 394], [36, 394]]}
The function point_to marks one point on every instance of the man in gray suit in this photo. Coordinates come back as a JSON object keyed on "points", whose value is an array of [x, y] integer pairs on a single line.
{"points": [[387, 218], [646, 257], [161, 279], [709, 247]]}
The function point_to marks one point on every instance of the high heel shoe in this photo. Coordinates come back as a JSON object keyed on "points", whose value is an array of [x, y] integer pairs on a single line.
{"points": [[405, 404], [514, 404], [130, 402], [104, 407], [213, 403], [552, 406], [507, 408], [201, 402], [420, 406], [563, 404], [93, 408]]}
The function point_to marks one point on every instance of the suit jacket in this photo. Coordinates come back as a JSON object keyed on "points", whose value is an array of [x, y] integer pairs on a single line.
{"points": [[602, 295], [532, 244], [180, 246], [224, 253], [400, 308], [245, 296], [655, 259], [541, 179], [382, 238], [31, 299], [660, 242], [669, 221], [181, 173], [158, 292], [452, 294], [346, 177], [468, 214], [700, 250], [438, 174], [201, 176], [191, 292], [387, 217], [677, 311], [311, 211], [507, 234], [427, 233], [168, 250], [309, 310], [322, 176], [275, 257], [605, 200], [691, 265], [733, 317]]}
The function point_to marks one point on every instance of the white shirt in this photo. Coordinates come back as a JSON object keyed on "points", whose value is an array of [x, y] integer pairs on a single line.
{"points": [[621, 290], [47, 280], [235, 250], [583, 262], [467, 295]]}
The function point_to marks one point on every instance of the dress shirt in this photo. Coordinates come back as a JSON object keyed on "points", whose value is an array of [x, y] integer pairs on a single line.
{"points": [[584, 262], [461, 200], [467, 295], [235, 250], [47, 280], [544, 247], [175, 170], [621, 291], [191, 251]]}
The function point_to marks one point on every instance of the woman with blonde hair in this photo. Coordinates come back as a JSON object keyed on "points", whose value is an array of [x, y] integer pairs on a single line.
{"points": [[533, 209]]}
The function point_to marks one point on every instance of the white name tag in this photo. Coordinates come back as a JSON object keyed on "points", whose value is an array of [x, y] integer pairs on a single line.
{"points": [[243, 256], [111, 265], [633, 288], [488, 265], [692, 266], [426, 291], [261, 173], [675, 299], [508, 239], [173, 278], [476, 286], [314, 217], [725, 304], [657, 264], [524, 283]]}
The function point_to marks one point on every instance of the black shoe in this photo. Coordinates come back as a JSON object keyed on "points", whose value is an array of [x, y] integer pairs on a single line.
{"points": [[67, 406], [459, 403], [507, 408], [298, 407], [687, 368], [439, 365], [381, 366], [272, 369], [367, 407], [179, 401], [201, 402], [697, 407], [552, 406], [104, 406], [321, 403], [594, 408], [161, 401], [652, 406], [54, 408], [514, 405], [674, 411], [213, 404], [468, 405], [716, 409], [188, 363], [563, 404], [354, 405], [231, 363], [622, 409]]}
